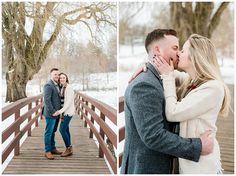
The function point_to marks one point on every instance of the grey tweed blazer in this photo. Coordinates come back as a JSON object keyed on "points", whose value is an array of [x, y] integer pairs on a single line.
{"points": [[149, 143], [52, 100]]}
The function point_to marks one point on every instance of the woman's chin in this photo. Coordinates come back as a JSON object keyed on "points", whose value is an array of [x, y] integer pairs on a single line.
{"points": [[181, 68]]}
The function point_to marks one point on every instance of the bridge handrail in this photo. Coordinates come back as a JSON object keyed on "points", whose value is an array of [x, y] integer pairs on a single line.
{"points": [[15, 108], [87, 106], [122, 129]]}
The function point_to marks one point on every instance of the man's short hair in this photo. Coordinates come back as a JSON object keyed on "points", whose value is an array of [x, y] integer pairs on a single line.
{"points": [[158, 34], [54, 69]]}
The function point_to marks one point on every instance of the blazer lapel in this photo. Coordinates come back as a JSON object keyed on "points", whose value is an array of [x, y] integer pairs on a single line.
{"points": [[154, 71], [54, 86]]}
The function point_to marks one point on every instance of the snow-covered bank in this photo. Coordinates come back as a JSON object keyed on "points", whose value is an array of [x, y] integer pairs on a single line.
{"points": [[101, 85]]}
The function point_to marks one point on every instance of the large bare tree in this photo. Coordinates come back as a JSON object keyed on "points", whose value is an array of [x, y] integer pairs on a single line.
{"points": [[25, 53], [200, 17]]}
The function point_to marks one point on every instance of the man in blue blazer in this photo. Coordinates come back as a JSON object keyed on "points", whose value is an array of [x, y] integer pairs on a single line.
{"points": [[150, 144], [52, 103]]}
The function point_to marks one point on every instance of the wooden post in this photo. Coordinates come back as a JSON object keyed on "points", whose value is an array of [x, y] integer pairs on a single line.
{"points": [[37, 121], [101, 154], [78, 106], [17, 131], [86, 113], [29, 118], [92, 120], [41, 117], [82, 108]]}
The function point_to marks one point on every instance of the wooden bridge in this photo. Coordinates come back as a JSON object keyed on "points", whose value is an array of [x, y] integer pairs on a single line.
{"points": [[93, 149], [225, 136]]}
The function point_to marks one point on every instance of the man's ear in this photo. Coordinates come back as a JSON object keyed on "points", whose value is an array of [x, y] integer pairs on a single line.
{"points": [[157, 49]]}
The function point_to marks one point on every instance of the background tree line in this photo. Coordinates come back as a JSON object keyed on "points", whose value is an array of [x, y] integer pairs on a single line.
{"points": [[30, 29], [214, 20]]}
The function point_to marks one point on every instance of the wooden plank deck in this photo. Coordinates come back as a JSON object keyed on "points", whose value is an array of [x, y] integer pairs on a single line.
{"points": [[84, 160], [225, 136]]}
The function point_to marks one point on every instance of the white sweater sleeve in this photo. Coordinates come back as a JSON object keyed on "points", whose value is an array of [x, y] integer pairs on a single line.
{"points": [[196, 103], [69, 99]]}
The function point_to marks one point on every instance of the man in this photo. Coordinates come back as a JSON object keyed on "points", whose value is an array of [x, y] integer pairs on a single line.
{"points": [[149, 143], [52, 103]]}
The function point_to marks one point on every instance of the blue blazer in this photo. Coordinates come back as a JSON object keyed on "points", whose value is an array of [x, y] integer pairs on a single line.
{"points": [[149, 143], [52, 100]]}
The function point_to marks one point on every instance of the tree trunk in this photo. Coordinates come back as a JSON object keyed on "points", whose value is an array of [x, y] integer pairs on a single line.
{"points": [[83, 82], [26, 53], [187, 20], [87, 81], [15, 89]]}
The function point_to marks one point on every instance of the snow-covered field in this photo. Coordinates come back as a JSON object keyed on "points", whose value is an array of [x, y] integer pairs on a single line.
{"points": [[102, 88], [107, 90]]}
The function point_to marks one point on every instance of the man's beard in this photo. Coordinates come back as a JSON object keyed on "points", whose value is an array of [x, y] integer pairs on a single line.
{"points": [[56, 80]]}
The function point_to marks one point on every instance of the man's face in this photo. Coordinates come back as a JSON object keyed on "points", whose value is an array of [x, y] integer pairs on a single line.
{"points": [[55, 75], [168, 48]]}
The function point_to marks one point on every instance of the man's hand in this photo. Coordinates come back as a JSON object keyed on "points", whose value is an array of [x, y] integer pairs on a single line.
{"points": [[207, 142], [56, 113]]}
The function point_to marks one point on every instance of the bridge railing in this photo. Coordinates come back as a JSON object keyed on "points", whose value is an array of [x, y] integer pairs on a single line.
{"points": [[14, 109], [92, 110], [122, 129]]}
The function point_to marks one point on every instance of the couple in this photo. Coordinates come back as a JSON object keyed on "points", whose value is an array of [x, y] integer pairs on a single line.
{"points": [[160, 95], [58, 105]]}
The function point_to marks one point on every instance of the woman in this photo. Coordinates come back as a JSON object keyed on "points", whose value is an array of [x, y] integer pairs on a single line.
{"points": [[200, 98], [67, 111]]}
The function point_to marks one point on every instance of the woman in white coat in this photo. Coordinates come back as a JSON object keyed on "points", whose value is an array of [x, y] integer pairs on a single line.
{"points": [[200, 97], [67, 111]]}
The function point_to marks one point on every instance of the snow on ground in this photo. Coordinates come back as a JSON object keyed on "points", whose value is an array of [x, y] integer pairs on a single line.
{"points": [[102, 88], [107, 89]]}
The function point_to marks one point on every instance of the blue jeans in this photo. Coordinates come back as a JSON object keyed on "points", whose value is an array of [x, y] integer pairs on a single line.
{"points": [[65, 131], [49, 133]]}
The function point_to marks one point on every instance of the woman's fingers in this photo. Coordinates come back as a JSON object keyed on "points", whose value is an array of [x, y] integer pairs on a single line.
{"points": [[161, 59], [142, 68], [157, 61], [162, 66], [145, 68]]}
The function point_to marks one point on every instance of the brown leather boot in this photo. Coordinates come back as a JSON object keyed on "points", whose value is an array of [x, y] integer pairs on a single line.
{"points": [[71, 150], [49, 156], [67, 152], [56, 152]]}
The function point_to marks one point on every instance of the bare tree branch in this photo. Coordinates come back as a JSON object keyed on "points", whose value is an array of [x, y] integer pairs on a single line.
{"points": [[216, 18]]}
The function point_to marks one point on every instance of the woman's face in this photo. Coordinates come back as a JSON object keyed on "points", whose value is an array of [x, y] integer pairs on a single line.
{"points": [[184, 59], [62, 79]]}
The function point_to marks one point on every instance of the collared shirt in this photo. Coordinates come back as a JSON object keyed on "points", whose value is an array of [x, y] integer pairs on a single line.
{"points": [[57, 86]]}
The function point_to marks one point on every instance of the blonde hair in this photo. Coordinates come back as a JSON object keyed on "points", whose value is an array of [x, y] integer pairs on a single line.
{"points": [[203, 56]]}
